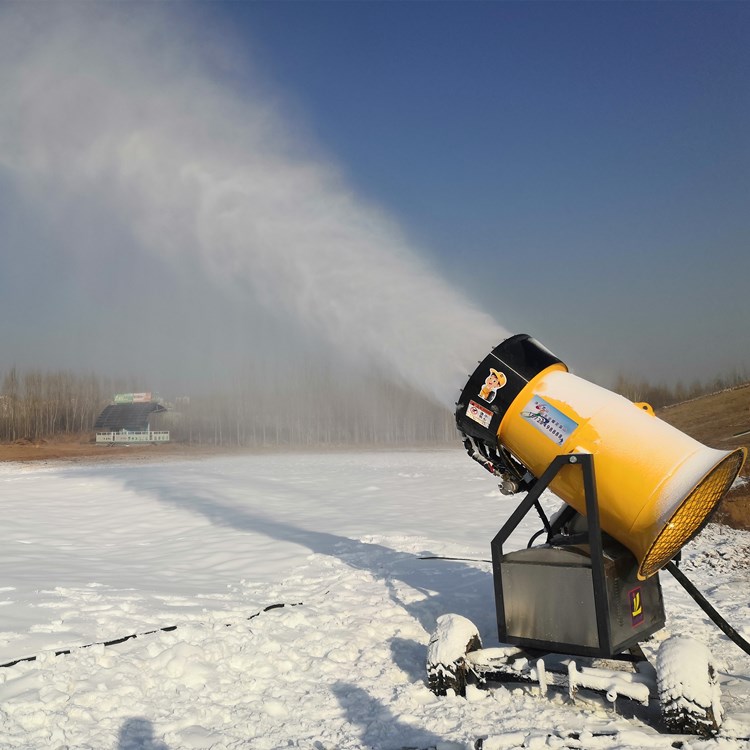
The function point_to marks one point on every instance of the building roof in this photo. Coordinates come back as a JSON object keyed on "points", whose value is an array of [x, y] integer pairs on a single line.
{"points": [[132, 417]]}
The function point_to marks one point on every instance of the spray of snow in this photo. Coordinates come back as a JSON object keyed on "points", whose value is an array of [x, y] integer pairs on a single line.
{"points": [[184, 155]]}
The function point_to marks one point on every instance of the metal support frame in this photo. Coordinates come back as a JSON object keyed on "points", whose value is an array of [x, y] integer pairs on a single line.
{"points": [[586, 463]]}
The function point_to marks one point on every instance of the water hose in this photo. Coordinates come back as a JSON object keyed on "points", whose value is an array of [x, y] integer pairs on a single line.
{"points": [[703, 603]]}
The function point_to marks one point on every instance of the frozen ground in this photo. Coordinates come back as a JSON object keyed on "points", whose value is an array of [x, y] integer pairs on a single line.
{"points": [[95, 553]]}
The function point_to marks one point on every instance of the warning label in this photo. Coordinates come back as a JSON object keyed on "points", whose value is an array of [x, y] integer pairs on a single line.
{"points": [[479, 414]]}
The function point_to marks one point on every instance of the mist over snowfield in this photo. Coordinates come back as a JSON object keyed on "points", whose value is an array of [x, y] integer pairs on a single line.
{"points": [[172, 207]]}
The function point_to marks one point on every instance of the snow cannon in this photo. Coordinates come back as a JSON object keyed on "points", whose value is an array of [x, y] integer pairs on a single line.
{"points": [[656, 486], [635, 490]]}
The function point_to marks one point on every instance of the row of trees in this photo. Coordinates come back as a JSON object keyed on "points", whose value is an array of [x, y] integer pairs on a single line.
{"points": [[273, 410], [279, 412], [268, 408], [660, 395], [36, 404]]}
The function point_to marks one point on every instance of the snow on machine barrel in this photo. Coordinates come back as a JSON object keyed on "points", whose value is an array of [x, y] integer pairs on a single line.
{"points": [[635, 490]]}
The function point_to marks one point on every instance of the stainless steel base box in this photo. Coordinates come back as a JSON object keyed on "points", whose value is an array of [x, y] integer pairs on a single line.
{"points": [[547, 598]]}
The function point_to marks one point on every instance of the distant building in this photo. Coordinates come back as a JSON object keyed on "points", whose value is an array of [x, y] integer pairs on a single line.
{"points": [[128, 420]]}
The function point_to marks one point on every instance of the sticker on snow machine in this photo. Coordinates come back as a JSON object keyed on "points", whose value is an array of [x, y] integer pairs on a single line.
{"points": [[479, 414], [548, 420], [492, 383], [636, 607]]}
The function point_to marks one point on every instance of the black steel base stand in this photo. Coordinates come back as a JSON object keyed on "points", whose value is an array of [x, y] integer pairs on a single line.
{"points": [[594, 539]]}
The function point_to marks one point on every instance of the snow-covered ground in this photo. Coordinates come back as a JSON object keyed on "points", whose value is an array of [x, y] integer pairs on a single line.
{"points": [[96, 553]]}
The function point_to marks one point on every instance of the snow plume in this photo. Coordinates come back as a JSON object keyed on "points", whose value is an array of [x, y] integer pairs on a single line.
{"points": [[152, 152]]}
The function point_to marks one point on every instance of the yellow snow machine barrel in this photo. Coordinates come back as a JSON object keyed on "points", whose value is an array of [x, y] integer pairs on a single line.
{"points": [[656, 486]]}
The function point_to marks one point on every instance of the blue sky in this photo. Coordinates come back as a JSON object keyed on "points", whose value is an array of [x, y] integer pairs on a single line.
{"points": [[582, 169], [577, 171]]}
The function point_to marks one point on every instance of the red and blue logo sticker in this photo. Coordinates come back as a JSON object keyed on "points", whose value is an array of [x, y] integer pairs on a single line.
{"points": [[549, 420]]}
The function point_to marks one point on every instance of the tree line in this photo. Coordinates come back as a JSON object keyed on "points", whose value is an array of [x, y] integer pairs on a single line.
{"points": [[36, 404], [279, 412], [273, 410], [660, 395], [269, 409]]}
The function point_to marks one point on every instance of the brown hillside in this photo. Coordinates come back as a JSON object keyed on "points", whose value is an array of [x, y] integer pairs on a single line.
{"points": [[720, 420]]}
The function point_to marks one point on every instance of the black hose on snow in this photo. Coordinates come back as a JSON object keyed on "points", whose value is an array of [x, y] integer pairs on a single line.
{"points": [[703, 603], [116, 641]]}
